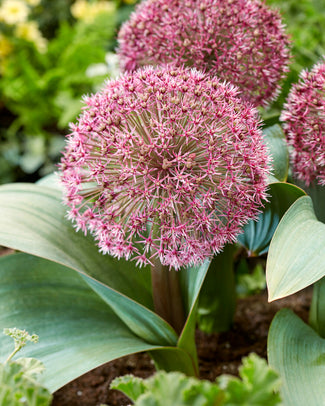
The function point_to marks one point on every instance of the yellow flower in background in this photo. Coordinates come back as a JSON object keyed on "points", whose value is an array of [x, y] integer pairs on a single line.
{"points": [[33, 3], [79, 9], [5, 46], [82, 10], [5, 50], [30, 32], [13, 12], [101, 7]]}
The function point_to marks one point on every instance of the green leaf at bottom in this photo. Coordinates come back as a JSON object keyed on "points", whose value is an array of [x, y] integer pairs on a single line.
{"points": [[78, 331], [296, 352]]}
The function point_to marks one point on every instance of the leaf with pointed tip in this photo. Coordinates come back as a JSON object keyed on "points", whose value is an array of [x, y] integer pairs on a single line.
{"points": [[296, 352], [257, 234], [317, 193], [78, 331], [296, 256], [140, 320]]}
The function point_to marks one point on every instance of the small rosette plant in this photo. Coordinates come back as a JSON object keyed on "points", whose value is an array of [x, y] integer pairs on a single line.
{"points": [[240, 41], [304, 124]]}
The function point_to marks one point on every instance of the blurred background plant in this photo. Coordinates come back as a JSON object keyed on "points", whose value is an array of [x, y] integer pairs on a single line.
{"points": [[51, 53], [304, 21]]}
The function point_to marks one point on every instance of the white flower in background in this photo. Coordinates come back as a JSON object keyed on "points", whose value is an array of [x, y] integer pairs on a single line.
{"points": [[110, 67], [13, 12], [113, 64]]}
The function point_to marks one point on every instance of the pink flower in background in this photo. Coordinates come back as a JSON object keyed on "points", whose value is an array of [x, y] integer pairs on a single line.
{"points": [[304, 125], [240, 41], [165, 163]]}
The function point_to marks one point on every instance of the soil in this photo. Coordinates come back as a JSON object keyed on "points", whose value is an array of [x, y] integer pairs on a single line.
{"points": [[218, 353]]}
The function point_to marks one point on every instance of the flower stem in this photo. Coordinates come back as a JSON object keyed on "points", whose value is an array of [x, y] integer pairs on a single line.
{"points": [[17, 348], [167, 295]]}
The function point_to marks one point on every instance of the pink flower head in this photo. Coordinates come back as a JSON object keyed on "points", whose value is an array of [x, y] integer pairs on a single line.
{"points": [[165, 163], [304, 124], [240, 41]]}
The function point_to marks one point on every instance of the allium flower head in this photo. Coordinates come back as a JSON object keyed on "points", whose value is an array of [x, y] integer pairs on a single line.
{"points": [[240, 41], [165, 163], [304, 124]]}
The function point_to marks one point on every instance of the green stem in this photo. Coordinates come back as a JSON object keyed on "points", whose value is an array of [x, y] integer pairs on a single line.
{"points": [[167, 295], [13, 353]]}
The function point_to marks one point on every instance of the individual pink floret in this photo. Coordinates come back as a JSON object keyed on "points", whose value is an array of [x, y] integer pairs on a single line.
{"points": [[165, 163], [240, 41], [304, 125]]}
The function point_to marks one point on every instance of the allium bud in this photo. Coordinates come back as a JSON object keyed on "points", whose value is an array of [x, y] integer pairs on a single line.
{"points": [[304, 125], [240, 41], [165, 164]]}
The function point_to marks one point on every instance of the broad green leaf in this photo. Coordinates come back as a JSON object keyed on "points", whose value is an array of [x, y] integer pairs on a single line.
{"points": [[142, 321], [296, 256], [32, 219], [52, 181], [257, 234], [317, 193], [277, 147], [78, 331], [296, 352]]}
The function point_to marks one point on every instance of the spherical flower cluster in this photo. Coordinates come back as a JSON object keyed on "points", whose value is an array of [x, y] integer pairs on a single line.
{"points": [[240, 41], [165, 164], [304, 124]]}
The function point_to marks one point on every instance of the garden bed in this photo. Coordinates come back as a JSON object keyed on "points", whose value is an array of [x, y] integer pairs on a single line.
{"points": [[218, 353]]}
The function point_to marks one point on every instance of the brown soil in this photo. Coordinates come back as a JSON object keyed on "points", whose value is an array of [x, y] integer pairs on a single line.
{"points": [[218, 353]]}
